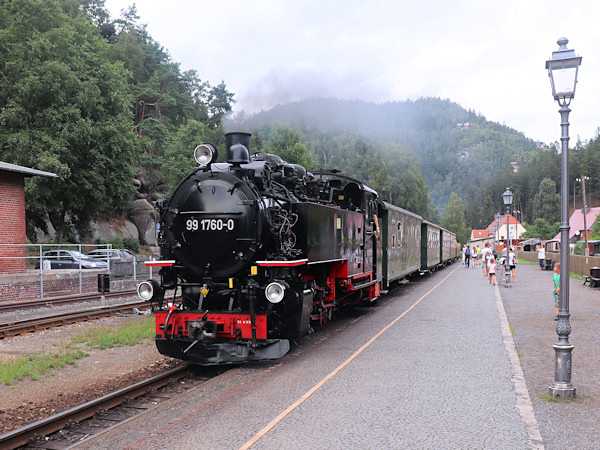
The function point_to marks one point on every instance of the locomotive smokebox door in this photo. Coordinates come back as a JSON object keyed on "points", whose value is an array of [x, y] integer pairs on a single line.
{"points": [[216, 224]]}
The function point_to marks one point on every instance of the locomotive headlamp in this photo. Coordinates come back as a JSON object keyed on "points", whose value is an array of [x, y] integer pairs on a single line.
{"points": [[205, 154], [150, 291], [275, 292]]}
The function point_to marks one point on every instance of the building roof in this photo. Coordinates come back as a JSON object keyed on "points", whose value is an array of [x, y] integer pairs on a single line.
{"points": [[26, 171], [502, 222], [478, 234], [576, 221]]}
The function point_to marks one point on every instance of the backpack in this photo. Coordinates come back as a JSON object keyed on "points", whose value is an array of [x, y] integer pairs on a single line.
{"points": [[468, 252]]}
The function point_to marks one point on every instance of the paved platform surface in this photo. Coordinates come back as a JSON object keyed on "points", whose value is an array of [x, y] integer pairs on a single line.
{"points": [[433, 367]]}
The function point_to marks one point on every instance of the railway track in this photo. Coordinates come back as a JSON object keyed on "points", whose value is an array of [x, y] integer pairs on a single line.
{"points": [[8, 307], [102, 411], [20, 327]]}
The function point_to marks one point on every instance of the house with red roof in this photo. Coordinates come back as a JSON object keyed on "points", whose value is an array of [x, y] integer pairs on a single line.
{"points": [[480, 234], [498, 228], [577, 229]]}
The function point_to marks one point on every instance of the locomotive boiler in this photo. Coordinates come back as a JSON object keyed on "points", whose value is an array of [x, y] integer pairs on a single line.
{"points": [[255, 252]]}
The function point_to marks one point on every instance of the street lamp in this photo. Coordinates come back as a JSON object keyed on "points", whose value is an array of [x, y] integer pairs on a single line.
{"points": [[563, 67], [586, 251], [507, 197]]}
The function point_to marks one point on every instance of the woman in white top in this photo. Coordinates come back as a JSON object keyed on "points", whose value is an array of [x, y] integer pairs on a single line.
{"points": [[512, 263]]}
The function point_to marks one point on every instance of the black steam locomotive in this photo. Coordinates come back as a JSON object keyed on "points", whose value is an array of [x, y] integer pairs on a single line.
{"points": [[256, 251]]}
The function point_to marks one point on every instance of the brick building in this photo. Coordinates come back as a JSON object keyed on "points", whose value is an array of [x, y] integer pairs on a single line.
{"points": [[12, 215]]}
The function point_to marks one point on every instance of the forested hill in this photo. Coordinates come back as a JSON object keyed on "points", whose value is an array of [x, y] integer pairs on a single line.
{"points": [[458, 149]]}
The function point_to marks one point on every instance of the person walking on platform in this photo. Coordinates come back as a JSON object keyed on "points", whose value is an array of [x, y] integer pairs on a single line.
{"points": [[491, 268], [467, 256], [556, 280], [541, 255], [464, 249], [486, 254], [512, 263], [477, 256]]}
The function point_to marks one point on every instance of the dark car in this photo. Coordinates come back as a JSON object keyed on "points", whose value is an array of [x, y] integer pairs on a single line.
{"points": [[115, 255], [69, 259]]}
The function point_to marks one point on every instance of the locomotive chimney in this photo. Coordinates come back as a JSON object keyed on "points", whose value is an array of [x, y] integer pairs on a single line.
{"points": [[238, 147]]}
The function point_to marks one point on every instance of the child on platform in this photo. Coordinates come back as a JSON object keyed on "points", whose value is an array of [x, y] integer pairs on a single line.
{"points": [[491, 268], [556, 280]]}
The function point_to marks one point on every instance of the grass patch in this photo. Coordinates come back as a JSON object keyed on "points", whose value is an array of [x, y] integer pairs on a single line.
{"points": [[512, 330], [549, 398], [132, 333], [525, 261], [37, 364]]}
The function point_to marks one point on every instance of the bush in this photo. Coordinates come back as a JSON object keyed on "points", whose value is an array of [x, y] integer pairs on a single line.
{"points": [[130, 244]]}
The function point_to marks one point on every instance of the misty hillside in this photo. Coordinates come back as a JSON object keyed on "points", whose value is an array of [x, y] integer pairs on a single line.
{"points": [[457, 148]]}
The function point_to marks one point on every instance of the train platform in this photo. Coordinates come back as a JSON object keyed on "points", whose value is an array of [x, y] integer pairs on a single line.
{"points": [[448, 361]]}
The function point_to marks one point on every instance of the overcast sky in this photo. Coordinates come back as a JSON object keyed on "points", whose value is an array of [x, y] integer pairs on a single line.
{"points": [[488, 56]]}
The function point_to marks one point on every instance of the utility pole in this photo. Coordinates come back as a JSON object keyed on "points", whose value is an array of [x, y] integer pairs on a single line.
{"points": [[586, 252]]}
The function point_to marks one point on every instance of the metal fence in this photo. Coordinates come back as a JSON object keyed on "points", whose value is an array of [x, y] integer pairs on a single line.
{"points": [[579, 265], [26, 264]]}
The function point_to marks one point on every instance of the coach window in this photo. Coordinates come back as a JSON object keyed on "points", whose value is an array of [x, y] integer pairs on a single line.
{"points": [[393, 235]]}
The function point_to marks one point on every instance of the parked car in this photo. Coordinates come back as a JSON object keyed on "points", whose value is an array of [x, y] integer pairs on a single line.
{"points": [[70, 259], [115, 255]]}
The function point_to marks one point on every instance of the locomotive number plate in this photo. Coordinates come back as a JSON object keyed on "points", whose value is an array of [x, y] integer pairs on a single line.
{"points": [[210, 224]]}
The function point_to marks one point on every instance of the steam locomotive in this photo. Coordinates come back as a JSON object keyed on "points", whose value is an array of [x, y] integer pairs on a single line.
{"points": [[256, 252]]}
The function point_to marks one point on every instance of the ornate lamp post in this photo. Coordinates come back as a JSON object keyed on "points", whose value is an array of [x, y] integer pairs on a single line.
{"points": [[562, 70], [507, 197]]}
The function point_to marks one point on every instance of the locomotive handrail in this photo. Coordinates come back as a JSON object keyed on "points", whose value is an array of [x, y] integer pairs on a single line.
{"points": [[237, 213], [296, 262]]}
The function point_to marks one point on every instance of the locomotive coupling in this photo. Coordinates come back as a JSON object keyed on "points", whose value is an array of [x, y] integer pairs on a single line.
{"points": [[202, 329]]}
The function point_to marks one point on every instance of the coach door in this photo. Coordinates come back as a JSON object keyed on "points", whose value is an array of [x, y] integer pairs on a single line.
{"points": [[372, 230]]}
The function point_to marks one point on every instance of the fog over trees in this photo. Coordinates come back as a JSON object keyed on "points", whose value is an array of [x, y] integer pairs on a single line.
{"points": [[97, 100]]}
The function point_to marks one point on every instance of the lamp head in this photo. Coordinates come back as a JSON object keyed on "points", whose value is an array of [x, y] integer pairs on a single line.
{"points": [[562, 70], [507, 197]]}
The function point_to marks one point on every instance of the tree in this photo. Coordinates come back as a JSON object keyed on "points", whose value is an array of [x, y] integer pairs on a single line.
{"points": [[595, 234], [546, 203], [65, 110], [178, 159], [541, 229], [286, 142], [455, 218]]}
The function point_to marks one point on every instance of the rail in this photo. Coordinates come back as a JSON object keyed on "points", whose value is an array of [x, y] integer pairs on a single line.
{"points": [[19, 306], [19, 327], [22, 436]]}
